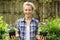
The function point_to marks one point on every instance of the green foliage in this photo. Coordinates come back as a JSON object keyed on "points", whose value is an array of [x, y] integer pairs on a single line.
{"points": [[42, 28], [53, 29], [3, 26]]}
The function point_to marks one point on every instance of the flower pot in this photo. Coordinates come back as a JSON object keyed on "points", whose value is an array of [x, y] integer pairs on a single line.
{"points": [[11, 33], [43, 33]]}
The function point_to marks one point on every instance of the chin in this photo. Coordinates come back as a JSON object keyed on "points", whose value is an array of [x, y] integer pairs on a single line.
{"points": [[28, 16]]}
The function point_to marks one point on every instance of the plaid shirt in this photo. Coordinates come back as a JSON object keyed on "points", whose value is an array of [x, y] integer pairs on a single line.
{"points": [[21, 24]]}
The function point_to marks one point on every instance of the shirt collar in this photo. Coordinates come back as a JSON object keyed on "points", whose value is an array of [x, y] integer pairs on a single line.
{"points": [[23, 19]]}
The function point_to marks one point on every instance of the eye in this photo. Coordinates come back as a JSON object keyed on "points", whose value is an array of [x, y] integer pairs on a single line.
{"points": [[25, 9], [29, 9]]}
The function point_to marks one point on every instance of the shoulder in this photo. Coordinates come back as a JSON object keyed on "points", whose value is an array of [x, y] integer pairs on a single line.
{"points": [[19, 20], [35, 20], [17, 23]]}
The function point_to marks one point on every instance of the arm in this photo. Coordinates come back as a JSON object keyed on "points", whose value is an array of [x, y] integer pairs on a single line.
{"points": [[37, 35], [18, 34], [18, 31]]}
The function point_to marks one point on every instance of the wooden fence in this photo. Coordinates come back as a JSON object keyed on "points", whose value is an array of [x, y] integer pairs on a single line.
{"points": [[12, 10]]}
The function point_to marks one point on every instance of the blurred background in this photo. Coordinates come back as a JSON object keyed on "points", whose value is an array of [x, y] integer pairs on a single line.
{"points": [[11, 10]]}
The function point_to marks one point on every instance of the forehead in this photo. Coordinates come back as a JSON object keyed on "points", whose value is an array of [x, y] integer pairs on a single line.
{"points": [[28, 7]]}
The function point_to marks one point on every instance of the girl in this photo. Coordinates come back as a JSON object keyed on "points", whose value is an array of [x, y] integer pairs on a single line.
{"points": [[28, 26]]}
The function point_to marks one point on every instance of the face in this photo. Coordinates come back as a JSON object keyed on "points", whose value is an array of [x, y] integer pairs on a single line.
{"points": [[27, 11]]}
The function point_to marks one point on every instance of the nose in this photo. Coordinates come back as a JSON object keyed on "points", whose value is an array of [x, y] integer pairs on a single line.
{"points": [[28, 11]]}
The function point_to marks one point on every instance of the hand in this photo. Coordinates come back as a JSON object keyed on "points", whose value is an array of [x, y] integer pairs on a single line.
{"points": [[38, 37], [17, 35], [42, 37]]}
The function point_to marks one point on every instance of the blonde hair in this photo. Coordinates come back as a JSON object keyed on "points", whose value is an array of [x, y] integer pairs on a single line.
{"points": [[30, 4]]}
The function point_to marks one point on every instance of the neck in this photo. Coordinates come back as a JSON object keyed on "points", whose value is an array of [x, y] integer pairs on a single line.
{"points": [[28, 18]]}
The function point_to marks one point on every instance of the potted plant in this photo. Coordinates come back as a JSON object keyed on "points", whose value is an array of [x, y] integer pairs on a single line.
{"points": [[12, 33], [12, 30], [43, 29]]}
